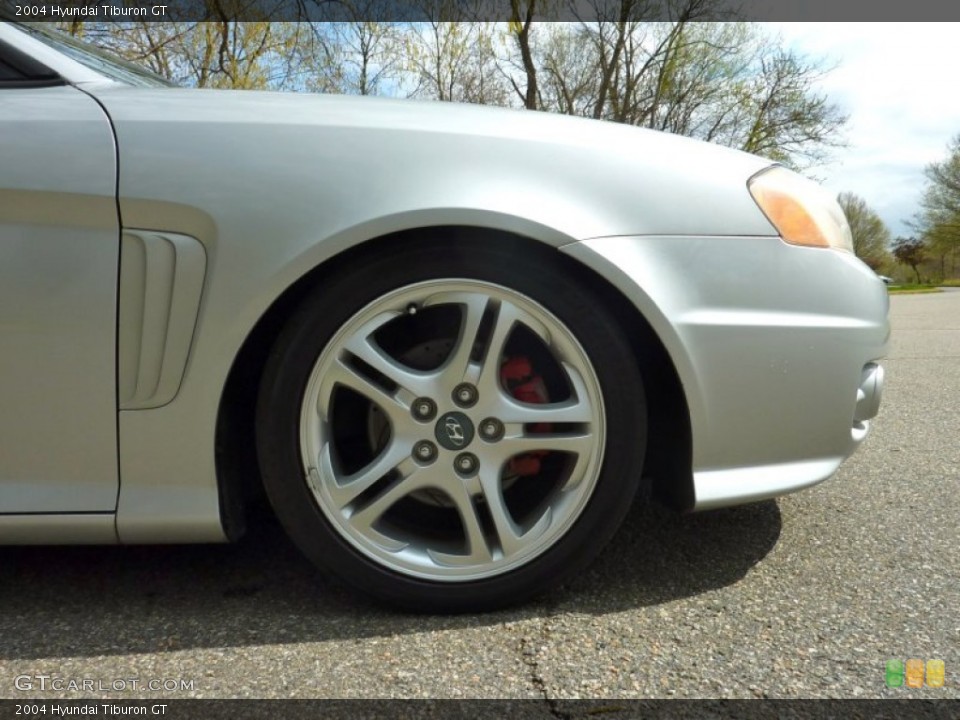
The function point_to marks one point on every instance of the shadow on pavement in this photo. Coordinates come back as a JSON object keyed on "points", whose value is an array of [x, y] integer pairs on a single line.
{"points": [[83, 601]]}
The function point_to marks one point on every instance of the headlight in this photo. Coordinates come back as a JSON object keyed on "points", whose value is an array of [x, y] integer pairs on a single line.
{"points": [[801, 211]]}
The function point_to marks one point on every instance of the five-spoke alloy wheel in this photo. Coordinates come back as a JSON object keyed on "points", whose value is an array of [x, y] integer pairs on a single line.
{"points": [[448, 433]]}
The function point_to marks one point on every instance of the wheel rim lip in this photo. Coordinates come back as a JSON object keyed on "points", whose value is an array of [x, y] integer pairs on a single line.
{"points": [[312, 437]]}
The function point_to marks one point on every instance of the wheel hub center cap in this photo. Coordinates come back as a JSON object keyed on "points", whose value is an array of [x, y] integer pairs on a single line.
{"points": [[454, 431]]}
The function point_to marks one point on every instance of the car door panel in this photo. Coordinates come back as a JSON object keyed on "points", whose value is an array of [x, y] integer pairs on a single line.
{"points": [[59, 254]]}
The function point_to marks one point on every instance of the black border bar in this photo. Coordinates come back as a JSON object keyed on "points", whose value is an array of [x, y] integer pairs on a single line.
{"points": [[493, 709], [476, 10]]}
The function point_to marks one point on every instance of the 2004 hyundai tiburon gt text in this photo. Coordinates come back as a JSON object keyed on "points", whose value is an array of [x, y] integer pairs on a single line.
{"points": [[451, 342]]}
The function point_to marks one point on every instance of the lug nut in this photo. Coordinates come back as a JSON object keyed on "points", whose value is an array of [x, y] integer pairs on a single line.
{"points": [[425, 451], [465, 395], [424, 409], [491, 429], [466, 463]]}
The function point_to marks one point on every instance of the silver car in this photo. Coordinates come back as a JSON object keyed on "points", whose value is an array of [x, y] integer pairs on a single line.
{"points": [[452, 344]]}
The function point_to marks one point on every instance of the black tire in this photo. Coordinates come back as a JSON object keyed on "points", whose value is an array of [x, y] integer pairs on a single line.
{"points": [[544, 276]]}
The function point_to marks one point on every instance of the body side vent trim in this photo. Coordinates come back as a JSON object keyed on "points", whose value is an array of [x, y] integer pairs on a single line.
{"points": [[161, 282]]}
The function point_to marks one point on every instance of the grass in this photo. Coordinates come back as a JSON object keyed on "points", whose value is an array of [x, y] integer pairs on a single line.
{"points": [[912, 289]]}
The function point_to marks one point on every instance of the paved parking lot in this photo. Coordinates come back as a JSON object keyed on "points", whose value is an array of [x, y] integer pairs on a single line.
{"points": [[804, 597]]}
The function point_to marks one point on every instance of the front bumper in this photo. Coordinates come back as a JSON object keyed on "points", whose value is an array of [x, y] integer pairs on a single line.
{"points": [[775, 346]]}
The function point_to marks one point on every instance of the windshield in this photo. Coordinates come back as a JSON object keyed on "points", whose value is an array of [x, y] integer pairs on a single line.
{"points": [[97, 60]]}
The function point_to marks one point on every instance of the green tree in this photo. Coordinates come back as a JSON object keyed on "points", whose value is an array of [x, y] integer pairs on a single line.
{"points": [[222, 53], [520, 28], [912, 252], [871, 238], [791, 122], [939, 219], [729, 83]]}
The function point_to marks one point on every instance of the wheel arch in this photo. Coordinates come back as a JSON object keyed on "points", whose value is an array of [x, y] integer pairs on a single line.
{"points": [[668, 460]]}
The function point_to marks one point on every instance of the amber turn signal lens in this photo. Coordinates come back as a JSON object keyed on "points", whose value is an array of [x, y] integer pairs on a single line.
{"points": [[788, 216], [801, 211]]}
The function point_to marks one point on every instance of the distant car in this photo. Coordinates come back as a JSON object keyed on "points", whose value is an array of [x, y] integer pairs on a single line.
{"points": [[886, 280], [452, 343]]}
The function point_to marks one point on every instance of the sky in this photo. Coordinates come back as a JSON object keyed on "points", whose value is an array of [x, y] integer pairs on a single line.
{"points": [[900, 85]]}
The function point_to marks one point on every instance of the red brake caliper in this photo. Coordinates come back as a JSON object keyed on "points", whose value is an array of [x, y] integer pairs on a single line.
{"points": [[516, 374]]}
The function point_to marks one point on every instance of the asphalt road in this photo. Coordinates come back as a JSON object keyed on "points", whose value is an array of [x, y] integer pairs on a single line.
{"points": [[808, 596]]}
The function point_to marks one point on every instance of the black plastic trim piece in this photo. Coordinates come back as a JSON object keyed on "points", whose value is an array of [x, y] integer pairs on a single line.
{"points": [[27, 84], [31, 70]]}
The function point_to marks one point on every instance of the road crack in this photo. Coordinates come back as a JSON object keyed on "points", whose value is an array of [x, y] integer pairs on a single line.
{"points": [[529, 654]]}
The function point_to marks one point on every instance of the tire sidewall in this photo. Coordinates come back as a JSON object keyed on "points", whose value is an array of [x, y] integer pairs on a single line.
{"points": [[549, 281]]}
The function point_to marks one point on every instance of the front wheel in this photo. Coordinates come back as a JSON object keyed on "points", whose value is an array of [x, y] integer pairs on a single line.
{"points": [[452, 431]]}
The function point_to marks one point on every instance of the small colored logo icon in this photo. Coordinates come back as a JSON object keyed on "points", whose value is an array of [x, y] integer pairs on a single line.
{"points": [[895, 673], [935, 673], [912, 673]]}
